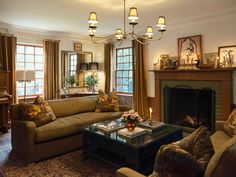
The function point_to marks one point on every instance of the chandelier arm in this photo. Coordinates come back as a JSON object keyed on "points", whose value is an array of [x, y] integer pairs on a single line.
{"points": [[135, 38], [98, 40]]}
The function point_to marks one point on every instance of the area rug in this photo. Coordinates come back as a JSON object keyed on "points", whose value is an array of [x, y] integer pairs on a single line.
{"points": [[68, 165]]}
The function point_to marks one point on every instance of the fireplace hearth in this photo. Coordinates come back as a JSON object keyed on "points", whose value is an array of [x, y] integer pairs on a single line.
{"points": [[189, 107]]}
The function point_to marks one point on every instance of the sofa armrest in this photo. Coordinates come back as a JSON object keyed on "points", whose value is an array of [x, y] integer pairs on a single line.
{"points": [[124, 108], [127, 172], [220, 125], [23, 139]]}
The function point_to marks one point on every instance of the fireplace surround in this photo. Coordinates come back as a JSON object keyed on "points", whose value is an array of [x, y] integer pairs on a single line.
{"points": [[223, 77]]}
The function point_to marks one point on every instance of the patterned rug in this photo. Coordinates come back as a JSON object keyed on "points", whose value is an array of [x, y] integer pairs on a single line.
{"points": [[68, 165]]}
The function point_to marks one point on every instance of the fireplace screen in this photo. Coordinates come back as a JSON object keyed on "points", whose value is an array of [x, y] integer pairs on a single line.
{"points": [[189, 107]]}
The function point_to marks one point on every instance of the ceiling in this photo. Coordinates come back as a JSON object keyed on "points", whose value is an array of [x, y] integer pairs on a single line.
{"points": [[70, 16]]}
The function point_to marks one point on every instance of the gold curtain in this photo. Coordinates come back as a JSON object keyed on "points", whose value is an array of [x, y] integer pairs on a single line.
{"points": [[140, 99], [107, 66], [52, 85], [7, 59]]}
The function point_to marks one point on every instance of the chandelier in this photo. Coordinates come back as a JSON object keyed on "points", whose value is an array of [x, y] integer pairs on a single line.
{"points": [[120, 34]]}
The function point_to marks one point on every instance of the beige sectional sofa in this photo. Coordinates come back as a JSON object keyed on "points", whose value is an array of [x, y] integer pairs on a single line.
{"points": [[33, 143]]}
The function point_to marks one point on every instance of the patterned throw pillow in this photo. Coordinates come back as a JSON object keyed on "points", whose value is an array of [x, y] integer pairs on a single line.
{"points": [[39, 112], [199, 145], [171, 160], [107, 103], [230, 124]]}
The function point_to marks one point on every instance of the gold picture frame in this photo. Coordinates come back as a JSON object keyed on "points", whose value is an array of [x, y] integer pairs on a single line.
{"points": [[189, 50], [78, 46], [227, 55]]}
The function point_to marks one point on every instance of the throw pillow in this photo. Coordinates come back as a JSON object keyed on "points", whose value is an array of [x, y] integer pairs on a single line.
{"points": [[230, 124], [199, 145], [107, 103], [39, 112], [171, 160]]}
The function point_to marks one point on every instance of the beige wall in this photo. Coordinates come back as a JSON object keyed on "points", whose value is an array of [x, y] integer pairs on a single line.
{"points": [[215, 30]]}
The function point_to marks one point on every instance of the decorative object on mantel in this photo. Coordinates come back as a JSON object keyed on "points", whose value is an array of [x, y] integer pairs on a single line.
{"points": [[168, 62], [78, 46], [201, 65], [227, 56], [189, 50], [123, 34], [211, 59]]}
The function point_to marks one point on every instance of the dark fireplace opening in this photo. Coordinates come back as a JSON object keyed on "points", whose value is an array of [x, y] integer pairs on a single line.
{"points": [[188, 107]]}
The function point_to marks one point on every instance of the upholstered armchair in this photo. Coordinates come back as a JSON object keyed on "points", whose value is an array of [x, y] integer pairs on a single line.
{"points": [[218, 164]]}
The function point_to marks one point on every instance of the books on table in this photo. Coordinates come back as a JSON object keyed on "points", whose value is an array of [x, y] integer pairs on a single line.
{"points": [[137, 132], [152, 126]]}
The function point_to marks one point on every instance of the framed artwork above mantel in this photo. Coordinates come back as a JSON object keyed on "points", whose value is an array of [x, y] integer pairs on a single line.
{"points": [[189, 50]]}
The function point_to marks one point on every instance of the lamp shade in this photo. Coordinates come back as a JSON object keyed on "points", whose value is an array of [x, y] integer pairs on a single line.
{"points": [[93, 66], [92, 18], [161, 22], [133, 13], [20, 75], [30, 75], [83, 66]]}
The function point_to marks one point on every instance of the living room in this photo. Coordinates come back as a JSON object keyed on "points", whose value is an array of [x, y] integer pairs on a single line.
{"points": [[169, 59]]}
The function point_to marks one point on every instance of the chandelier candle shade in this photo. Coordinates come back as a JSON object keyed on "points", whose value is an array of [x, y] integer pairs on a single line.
{"points": [[120, 34]]}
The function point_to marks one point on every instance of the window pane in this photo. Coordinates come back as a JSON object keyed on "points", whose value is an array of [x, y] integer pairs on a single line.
{"points": [[20, 49], [119, 80], [119, 60], [39, 90], [39, 82], [30, 84], [126, 51], [39, 74], [20, 91], [19, 84], [126, 66], [20, 58], [39, 58], [29, 50], [20, 66], [125, 81], [125, 74], [119, 74], [29, 66], [119, 52], [39, 50], [119, 88], [125, 89], [126, 59], [131, 89], [39, 66], [120, 66], [130, 74], [30, 90], [29, 58]]}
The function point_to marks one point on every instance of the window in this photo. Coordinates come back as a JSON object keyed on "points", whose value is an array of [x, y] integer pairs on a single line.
{"points": [[123, 70], [72, 64], [30, 57]]}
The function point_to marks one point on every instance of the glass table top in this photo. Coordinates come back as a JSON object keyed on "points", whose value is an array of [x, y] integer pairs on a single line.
{"points": [[110, 130]]}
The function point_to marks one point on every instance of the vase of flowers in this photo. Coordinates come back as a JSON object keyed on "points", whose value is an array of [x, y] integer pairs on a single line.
{"points": [[131, 118]]}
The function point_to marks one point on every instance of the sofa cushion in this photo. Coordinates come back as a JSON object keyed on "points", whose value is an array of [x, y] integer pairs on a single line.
{"points": [[59, 128], [230, 124], [223, 161], [218, 139], [71, 106], [107, 103], [199, 145], [89, 118], [39, 112]]}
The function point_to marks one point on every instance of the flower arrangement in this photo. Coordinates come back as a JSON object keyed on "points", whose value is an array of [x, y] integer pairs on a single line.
{"points": [[131, 116]]}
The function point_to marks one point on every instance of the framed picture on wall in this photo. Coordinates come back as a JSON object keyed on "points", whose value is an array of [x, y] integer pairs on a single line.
{"points": [[78, 46], [189, 49], [227, 55]]}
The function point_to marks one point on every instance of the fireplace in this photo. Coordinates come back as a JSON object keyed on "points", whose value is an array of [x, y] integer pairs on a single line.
{"points": [[189, 107]]}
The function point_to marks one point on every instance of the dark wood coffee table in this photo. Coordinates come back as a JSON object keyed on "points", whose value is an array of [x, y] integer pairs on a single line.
{"points": [[137, 152]]}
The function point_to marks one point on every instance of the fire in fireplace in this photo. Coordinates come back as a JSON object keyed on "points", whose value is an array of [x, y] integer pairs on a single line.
{"points": [[188, 107]]}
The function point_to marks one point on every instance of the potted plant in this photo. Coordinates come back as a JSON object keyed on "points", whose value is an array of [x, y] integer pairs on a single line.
{"points": [[91, 81], [70, 80]]}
